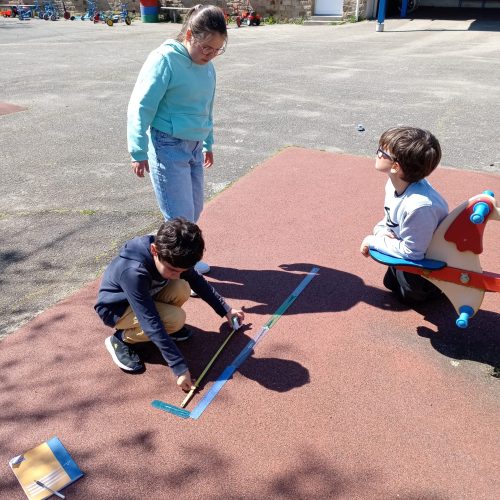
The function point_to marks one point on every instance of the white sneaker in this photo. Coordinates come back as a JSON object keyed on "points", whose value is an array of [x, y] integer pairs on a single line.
{"points": [[193, 294], [202, 267]]}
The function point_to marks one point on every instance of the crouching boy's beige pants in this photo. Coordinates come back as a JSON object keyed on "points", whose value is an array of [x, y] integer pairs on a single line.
{"points": [[168, 302]]}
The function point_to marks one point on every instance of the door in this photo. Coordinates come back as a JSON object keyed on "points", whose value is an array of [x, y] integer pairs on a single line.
{"points": [[328, 7]]}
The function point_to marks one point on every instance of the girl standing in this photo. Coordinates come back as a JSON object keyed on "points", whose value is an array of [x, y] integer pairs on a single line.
{"points": [[171, 108]]}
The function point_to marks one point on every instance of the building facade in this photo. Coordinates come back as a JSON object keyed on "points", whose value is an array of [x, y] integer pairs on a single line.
{"points": [[281, 10]]}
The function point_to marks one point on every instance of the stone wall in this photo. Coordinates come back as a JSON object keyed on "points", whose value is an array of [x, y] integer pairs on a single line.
{"points": [[279, 9], [350, 8], [282, 9]]}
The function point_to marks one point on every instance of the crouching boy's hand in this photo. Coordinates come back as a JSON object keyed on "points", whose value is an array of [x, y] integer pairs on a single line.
{"points": [[184, 381], [365, 245], [237, 314]]}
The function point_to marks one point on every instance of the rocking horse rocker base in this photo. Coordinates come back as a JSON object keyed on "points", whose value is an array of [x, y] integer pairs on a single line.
{"points": [[452, 259]]}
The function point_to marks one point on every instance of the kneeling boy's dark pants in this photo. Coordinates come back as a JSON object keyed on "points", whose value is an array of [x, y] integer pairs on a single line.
{"points": [[410, 287]]}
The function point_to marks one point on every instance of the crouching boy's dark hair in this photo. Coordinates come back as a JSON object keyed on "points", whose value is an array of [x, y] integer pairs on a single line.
{"points": [[180, 243]]}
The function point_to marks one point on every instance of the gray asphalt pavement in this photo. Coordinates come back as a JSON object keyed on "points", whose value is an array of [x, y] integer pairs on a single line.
{"points": [[68, 197]]}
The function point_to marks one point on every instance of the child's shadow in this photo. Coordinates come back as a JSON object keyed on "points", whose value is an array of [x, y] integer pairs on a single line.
{"points": [[276, 374], [331, 290], [479, 342], [335, 290]]}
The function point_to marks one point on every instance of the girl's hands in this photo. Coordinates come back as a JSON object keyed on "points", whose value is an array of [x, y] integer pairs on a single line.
{"points": [[140, 167], [208, 159]]}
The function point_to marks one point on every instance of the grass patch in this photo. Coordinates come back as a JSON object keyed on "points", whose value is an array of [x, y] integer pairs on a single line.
{"points": [[283, 20]]}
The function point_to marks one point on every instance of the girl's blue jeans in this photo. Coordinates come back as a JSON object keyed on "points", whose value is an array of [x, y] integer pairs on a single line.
{"points": [[176, 172]]}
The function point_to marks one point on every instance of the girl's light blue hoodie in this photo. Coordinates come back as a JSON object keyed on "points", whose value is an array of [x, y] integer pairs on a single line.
{"points": [[173, 95]]}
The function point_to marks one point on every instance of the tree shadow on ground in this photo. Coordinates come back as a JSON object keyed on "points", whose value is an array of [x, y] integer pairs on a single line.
{"points": [[182, 469], [311, 474]]}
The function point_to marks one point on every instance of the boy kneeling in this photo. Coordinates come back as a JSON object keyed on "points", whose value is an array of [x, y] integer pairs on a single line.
{"points": [[142, 292]]}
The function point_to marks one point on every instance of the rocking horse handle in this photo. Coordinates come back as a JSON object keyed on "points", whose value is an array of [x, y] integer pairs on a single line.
{"points": [[481, 210]]}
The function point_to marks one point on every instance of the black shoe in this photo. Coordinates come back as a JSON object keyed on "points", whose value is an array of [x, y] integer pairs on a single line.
{"points": [[390, 280], [123, 355], [181, 335], [392, 283]]}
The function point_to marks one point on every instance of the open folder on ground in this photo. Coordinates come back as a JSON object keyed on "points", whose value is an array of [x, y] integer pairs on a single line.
{"points": [[49, 463]]}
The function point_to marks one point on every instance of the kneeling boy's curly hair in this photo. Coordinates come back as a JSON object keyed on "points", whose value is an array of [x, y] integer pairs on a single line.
{"points": [[180, 243]]}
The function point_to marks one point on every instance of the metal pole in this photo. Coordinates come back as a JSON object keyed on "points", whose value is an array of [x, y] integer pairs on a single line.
{"points": [[381, 15], [404, 8]]}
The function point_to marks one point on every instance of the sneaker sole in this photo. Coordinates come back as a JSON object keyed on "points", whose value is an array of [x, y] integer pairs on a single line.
{"points": [[181, 339], [117, 362]]}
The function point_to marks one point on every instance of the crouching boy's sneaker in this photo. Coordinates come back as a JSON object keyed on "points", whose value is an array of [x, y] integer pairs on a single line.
{"points": [[123, 355], [181, 335]]}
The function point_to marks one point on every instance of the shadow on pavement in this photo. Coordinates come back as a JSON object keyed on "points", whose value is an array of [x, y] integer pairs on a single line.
{"points": [[275, 374], [331, 290], [479, 342], [481, 19]]}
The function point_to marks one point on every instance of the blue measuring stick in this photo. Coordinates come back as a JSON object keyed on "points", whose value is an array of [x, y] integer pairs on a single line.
{"points": [[180, 411], [247, 350], [237, 362]]}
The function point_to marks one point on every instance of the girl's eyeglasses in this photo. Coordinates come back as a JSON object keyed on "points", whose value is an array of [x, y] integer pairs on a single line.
{"points": [[206, 50], [382, 154]]}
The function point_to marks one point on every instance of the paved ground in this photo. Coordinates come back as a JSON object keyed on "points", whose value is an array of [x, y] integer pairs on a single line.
{"points": [[348, 396], [68, 198]]}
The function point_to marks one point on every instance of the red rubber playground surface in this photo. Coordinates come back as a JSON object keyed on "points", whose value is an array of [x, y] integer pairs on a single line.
{"points": [[348, 395]]}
